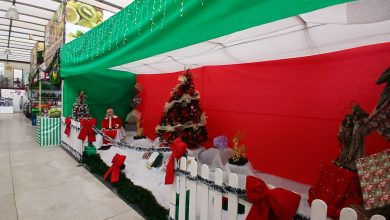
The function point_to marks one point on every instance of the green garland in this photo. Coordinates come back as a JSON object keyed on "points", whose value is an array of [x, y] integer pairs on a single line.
{"points": [[143, 198]]}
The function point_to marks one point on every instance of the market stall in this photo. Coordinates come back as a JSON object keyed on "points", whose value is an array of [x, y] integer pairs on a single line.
{"points": [[310, 104], [286, 76]]}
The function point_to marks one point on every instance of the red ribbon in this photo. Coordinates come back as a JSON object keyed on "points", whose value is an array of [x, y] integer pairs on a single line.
{"points": [[67, 123], [178, 148], [277, 204], [117, 161], [86, 130]]}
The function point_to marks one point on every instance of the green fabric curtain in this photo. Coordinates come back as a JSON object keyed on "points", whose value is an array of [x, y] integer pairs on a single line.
{"points": [[147, 28], [103, 89], [151, 27]]}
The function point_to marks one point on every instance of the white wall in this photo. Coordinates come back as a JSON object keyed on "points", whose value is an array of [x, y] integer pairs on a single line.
{"points": [[23, 66], [16, 95], [15, 65]]}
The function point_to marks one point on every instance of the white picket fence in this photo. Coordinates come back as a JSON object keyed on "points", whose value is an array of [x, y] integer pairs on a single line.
{"points": [[210, 201], [74, 145], [210, 205]]}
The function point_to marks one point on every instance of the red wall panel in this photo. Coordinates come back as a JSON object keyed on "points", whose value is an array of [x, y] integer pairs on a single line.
{"points": [[289, 109]]}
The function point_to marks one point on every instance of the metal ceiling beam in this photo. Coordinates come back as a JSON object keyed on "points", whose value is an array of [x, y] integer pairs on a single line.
{"points": [[30, 29], [19, 32], [17, 39], [34, 16], [21, 42], [29, 5], [9, 31], [111, 4], [26, 22], [18, 50], [21, 54], [15, 47], [21, 28], [16, 61], [17, 42], [18, 55], [29, 46]]}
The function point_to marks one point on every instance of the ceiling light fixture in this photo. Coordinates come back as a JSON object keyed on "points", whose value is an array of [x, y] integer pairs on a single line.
{"points": [[12, 13], [7, 52]]}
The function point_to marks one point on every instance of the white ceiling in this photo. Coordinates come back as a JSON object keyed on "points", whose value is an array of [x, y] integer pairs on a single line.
{"points": [[340, 27], [33, 17]]}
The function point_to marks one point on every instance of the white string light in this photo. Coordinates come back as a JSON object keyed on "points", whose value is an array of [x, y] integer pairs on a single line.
{"points": [[82, 49]]}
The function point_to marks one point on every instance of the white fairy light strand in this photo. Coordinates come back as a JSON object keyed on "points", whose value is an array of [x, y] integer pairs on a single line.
{"points": [[182, 8], [152, 17], [82, 49]]}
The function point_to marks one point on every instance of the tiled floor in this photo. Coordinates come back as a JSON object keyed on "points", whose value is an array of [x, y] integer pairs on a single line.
{"points": [[45, 182]]}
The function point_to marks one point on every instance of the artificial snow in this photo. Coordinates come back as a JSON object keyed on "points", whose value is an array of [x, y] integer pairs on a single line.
{"points": [[153, 179]]}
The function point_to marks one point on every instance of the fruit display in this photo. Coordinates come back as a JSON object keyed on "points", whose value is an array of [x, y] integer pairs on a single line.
{"points": [[54, 113], [76, 35], [83, 14]]}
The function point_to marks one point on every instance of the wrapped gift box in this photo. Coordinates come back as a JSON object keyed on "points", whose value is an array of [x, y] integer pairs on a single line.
{"points": [[48, 131], [374, 176]]}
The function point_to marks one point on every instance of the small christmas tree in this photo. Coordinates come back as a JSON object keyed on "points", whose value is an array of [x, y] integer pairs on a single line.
{"points": [[80, 108], [239, 151], [183, 116]]}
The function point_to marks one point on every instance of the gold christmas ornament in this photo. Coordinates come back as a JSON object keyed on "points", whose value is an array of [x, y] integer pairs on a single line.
{"points": [[140, 130], [239, 150]]}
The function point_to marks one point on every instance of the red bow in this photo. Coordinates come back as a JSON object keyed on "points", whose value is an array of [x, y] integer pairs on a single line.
{"points": [[178, 148], [277, 204], [86, 130], [67, 123], [117, 161]]}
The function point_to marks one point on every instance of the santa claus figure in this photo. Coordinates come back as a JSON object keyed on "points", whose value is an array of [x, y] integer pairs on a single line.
{"points": [[112, 126]]}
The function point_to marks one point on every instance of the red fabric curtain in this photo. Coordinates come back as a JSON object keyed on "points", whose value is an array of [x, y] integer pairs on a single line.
{"points": [[289, 109]]}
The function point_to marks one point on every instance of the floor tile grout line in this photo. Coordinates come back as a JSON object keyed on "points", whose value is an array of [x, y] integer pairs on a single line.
{"points": [[12, 177]]}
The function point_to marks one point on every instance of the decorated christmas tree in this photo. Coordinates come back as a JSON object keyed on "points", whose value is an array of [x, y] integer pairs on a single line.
{"points": [[183, 116], [80, 108]]}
